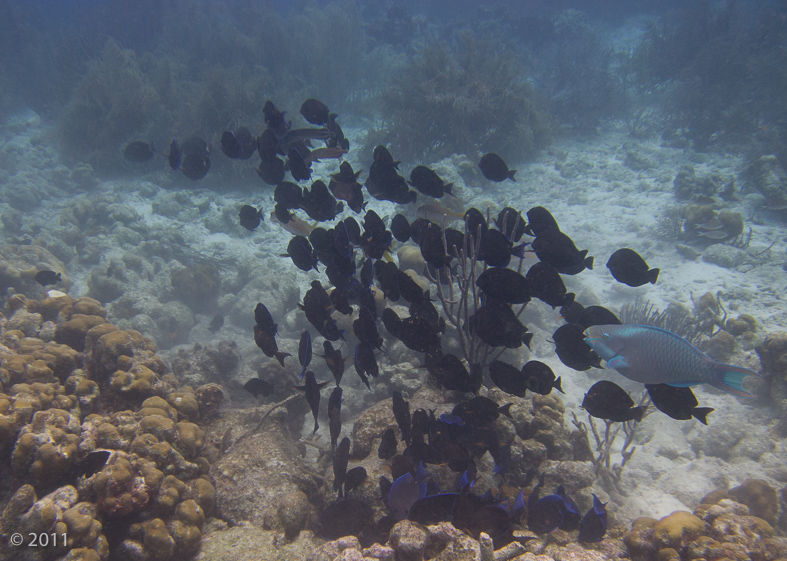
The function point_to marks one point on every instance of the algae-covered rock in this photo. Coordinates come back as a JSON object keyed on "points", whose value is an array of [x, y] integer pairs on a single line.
{"points": [[19, 265], [769, 178]]}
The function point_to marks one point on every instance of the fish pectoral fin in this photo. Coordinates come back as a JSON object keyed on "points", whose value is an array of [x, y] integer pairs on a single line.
{"points": [[617, 361]]}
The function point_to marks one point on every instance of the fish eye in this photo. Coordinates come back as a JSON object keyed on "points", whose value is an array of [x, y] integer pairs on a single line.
{"points": [[605, 335]]}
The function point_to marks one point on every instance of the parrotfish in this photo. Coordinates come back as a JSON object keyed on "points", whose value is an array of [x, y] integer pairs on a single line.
{"points": [[651, 355]]}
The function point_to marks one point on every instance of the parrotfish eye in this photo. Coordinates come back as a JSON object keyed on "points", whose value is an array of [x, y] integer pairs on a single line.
{"points": [[605, 335]]}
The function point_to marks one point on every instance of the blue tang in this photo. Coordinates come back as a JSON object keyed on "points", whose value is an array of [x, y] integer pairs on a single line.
{"points": [[652, 355]]}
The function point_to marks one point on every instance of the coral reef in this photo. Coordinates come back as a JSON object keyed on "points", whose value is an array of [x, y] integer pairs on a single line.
{"points": [[463, 98], [100, 388]]}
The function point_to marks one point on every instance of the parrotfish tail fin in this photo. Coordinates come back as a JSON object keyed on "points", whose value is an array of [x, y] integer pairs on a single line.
{"points": [[518, 251], [448, 188], [511, 173], [701, 414], [730, 379], [638, 412], [280, 356], [653, 275]]}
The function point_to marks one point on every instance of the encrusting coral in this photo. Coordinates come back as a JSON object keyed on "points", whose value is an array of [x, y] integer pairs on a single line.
{"points": [[99, 388]]}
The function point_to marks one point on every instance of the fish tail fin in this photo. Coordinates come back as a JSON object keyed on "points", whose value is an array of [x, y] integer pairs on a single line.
{"points": [[510, 174], [731, 379], [448, 188], [701, 414], [653, 275], [280, 356], [518, 251], [557, 384], [638, 412], [506, 410], [316, 426], [526, 338], [589, 263]]}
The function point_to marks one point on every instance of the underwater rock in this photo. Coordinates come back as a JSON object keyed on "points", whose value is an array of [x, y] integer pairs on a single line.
{"points": [[198, 286], [726, 256], [769, 178], [203, 363], [19, 265], [253, 475], [688, 185]]}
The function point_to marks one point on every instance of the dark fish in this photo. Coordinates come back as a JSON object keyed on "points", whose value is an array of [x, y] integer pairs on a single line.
{"points": [[174, 156], [288, 194], [319, 204], [572, 311], [312, 390], [345, 517], [677, 402], [92, 463], [628, 267], [267, 145], [365, 329], [305, 350], [547, 286], [571, 515], [451, 373], [511, 223], [475, 223], [433, 509], [258, 387], [505, 285], [572, 350], [496, 249], [341, 302], [387, 449], [138, 151], [47, 277], [607, 400], [194, 161], [345, 186], [300, 251], [275, 118], [480, 411], [545, 514], [404, 493], [238, 146], [557, 249], [387, 275], [495, 169], [498, 326], [337, 134], [250, 217], [593, 526], [265, 334], [341, 456], [384, 183], [596, 315], [365, 362], [429, 183], [335, 414], [401, 411], [540, 378], [216, 323], [385, 486], [317, 307], [315, 111], [354, 478], [334, 360], [508, 378], [353, 230], [400, 228], [416, 334], [271, 171], [540, 221], [296, 162]]}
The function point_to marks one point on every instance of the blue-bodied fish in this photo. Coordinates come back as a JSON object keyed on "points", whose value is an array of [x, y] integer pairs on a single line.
{"points": [[652, 355]]}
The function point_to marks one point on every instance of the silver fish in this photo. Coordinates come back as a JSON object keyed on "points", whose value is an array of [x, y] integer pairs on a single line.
{"points": [[651, 355]]}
